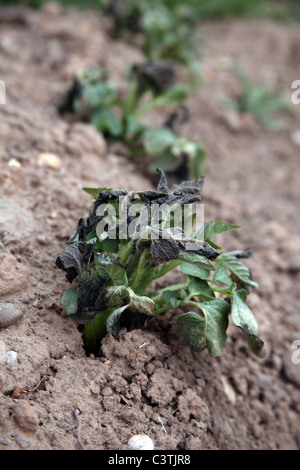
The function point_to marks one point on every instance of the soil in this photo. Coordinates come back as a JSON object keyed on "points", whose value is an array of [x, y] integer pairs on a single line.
{"points": [[53, 396]]}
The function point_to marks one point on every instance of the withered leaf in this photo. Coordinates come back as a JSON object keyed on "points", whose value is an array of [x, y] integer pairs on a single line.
{"points": [[135, 314], [74, 259]]}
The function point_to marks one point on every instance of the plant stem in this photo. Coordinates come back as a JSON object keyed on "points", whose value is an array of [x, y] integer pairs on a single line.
{"points": [[141, 277], [162, 309], [180, 286], [94, 331]]}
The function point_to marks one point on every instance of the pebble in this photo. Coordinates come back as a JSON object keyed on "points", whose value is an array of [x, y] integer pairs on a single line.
{"points": [[9, 314], [141, 442], [13, 275], [26, 416], [291, 366], [10, 357], [14, 163], [50, 160]]}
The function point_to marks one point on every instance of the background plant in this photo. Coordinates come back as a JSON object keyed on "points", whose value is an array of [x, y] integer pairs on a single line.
{"points": [[114, 293], [259, 100], [95, 98]]}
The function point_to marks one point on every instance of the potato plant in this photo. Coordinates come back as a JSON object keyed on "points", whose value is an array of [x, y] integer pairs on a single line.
{"points": [[258, 100], [129, 240], [96, 99]]}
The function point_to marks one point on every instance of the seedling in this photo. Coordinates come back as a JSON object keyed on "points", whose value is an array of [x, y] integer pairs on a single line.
{"points": [[94, 98], [131, 239], [258, 100]]}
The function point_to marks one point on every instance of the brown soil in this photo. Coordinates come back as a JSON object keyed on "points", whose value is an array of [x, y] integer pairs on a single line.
{"points": [[149, 382]]}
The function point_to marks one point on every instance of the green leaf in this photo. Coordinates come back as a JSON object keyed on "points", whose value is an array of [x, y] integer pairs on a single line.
{"points": [[208, 331], [221, 275], [105, 120], [110, 245], [192, 329], [215, 227], [216, 313], [240, 270], [95, 191], [69, 301], [110, 266], [192, 270], [244, 319], [158, 140], [196, 260], [197, 162], [200, 288]]}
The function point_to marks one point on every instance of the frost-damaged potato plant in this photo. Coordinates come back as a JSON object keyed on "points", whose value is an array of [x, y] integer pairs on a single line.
{"points": [[131, 239], [95, 98]]}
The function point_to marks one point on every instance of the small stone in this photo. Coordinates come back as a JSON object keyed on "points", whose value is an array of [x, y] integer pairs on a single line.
{"points": [[41, 239], [291, 365], [50, 160], [141, 442], [13, 275], [26, 416], [9, 315], [10, 357], [14, 163]]}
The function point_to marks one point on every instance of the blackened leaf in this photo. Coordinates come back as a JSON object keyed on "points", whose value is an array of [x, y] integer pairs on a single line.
{"points": [[186, 192], [69, 101], [193, 249], [135, 314], [244, 319], [188, 187], [172, 244], [75, 258], [158, 76], [163, 250], [163, 182], [90, 294]]}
